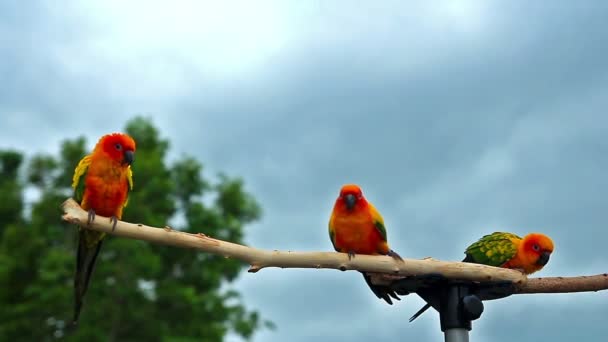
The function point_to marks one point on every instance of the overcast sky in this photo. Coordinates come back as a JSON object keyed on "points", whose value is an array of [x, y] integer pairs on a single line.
{"points": [[458, 118]]}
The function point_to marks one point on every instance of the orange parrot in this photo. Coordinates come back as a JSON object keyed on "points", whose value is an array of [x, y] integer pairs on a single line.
{"points": [[508, 250], [102, 181], [356, 227]]}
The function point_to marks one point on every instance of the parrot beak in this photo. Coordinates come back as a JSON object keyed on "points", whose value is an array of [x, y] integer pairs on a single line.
{"points": [[543, 259], [350, 201], [129, 157]]}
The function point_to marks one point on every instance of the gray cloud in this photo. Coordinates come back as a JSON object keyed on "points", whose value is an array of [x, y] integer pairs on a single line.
{"points": [[455, 121]]}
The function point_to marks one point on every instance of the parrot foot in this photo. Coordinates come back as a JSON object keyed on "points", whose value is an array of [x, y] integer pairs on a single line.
{"points": [[91, 217], [113, 220], [351, 255], [387, 296]]}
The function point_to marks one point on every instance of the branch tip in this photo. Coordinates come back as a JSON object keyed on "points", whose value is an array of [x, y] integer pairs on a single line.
{"points": [[254, 268]]}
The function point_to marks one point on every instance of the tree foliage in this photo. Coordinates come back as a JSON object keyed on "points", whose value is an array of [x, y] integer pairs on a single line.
{"points": [[139, 291]]}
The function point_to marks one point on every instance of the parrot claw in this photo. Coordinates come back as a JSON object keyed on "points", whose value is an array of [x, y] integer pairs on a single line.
{"points": [[394, 255], [113, 220], [351, 255], [394, 295], [91, 217]]}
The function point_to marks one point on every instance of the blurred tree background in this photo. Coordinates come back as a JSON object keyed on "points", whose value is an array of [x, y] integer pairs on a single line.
{"points": [[139, 291]]}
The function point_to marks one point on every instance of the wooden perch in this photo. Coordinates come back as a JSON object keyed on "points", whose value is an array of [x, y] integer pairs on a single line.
{"points": [[259, 259]]}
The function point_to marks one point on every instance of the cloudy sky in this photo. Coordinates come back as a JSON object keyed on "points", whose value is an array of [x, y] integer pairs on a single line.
{"points": [[458, 118]]}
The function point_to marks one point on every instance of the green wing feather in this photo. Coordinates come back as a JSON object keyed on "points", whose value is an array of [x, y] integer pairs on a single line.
{"points": [[378, 221], [80, 173], [493, 249]]}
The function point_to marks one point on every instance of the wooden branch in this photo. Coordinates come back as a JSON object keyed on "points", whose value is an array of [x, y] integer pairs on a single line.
{"points": [[565, 284], [259, 259], [592, 283]]}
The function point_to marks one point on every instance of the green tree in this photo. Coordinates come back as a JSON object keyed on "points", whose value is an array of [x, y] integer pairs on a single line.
{"points": [[139, 291], [11, 205]]}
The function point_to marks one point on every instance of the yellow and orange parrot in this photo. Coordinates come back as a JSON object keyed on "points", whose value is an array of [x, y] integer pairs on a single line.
{"points": [[102, 181], [356, 227], [508, 250]]}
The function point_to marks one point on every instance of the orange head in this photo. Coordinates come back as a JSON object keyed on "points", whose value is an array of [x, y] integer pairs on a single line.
{"points": [[351, 197], [537, 249], [118, 147]]}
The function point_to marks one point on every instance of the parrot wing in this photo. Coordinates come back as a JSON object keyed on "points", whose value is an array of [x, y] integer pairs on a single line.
{"points": [[332, 232], [130, 184], [378, 221], [80, 174], [493, 249], [85, 255]]}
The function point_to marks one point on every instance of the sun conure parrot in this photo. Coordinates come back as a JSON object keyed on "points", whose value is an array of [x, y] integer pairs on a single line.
{"points": [[507, 250], [102, 181], [356, 227]]}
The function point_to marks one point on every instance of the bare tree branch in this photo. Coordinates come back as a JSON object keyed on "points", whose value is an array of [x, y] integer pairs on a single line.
{"points": [[565, 284], [259, 259]]}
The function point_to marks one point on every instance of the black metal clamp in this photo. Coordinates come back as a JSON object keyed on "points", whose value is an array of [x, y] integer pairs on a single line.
{"points": [[458, 302]]}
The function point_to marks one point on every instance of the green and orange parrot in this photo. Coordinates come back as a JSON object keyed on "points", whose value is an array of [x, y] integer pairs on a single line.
{"points": [[102, 181], [508, 250], [356, 227]]}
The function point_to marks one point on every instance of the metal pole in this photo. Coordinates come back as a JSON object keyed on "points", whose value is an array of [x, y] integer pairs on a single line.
{"points": [[456, 335], [457, 308]]}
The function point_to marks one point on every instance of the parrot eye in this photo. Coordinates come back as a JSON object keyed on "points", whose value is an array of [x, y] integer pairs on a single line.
{"points": [[118, 146], [536, 247]]}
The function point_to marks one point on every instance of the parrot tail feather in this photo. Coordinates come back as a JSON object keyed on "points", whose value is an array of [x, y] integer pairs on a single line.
{"points": [[381, 291], [85, 264], [420, 312]]}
